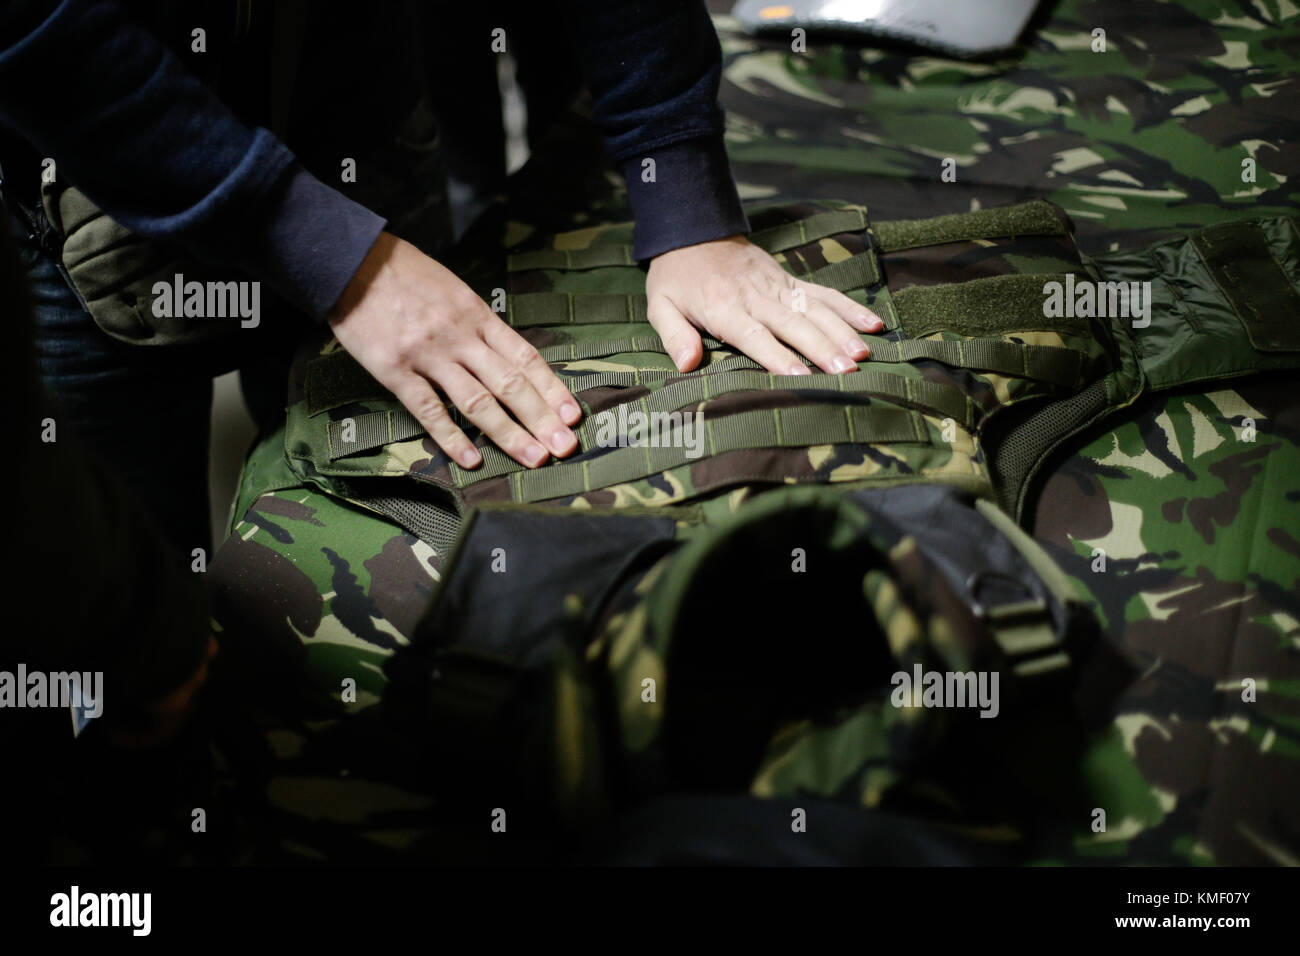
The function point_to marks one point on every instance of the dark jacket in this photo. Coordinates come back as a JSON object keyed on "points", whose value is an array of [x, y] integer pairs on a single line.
{"points": [[89, 586], [112, 92]]}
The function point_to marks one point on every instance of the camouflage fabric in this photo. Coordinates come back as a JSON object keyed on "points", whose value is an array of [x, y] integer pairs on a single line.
{"points": [[919, 416], [1140, 143], [1180, 523]]}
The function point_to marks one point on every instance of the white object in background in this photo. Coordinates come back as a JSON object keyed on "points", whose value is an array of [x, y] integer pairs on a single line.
{"points": [[965, 28]]}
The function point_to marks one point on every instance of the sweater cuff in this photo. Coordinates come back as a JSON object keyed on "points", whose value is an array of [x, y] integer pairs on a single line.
{"points": [[312, 242], [692, 197]]}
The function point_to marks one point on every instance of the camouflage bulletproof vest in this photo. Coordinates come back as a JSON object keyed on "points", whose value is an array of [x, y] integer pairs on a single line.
{"points": [[1000, 341], [603, 667]]}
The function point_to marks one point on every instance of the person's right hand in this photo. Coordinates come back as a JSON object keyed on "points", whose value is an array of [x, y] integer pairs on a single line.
{"points": [[414, 325]]}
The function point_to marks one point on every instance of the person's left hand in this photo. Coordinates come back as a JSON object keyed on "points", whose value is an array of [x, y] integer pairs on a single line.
{"points": [[739, 294]]}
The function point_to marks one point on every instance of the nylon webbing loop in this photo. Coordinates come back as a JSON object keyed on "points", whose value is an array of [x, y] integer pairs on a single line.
{"points": [[689, 392], [770, 428], [822, 225], [748, 375], [856, 272], [780, 238], [593, 257], [531, 309], [579, 351], [375, 429], [1058, 366], [359, 433], [1034, 218], [566, 308], [1045, 363]]}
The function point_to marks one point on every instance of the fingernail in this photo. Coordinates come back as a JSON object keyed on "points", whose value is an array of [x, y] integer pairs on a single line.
{"points": [[570, 412], [874, 323], [562, 441], [856, 349], [469, 458], [535, 454], [798, 370], [841, 364], [681, 358]]}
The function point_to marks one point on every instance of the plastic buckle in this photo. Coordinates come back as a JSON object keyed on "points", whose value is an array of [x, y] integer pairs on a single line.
{"points": [[1010, 611], [1023, 630]]}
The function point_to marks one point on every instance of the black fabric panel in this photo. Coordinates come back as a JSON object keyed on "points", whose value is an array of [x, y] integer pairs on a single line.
{"points": [[1238, 255], [548, 556]]}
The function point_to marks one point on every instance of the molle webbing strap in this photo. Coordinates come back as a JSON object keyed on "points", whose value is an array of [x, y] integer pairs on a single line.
{"points": [[772, 428], [690, 392], [1238, 256], [566, 308], [774, 239], [822, 225], [1045, 363], [579, 351], [990, 306], [358, 433], [855, 272], [335, 378], [593, 257], [1035, 218], [531, 309], [375, 429], [743, 374]]}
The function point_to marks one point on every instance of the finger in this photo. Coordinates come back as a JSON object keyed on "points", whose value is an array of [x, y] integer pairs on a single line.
{"points": [[678, 335], [512, 388], [512, 346], [793, 327], [477, 403], [418, 397], [858, 316], [845, 337], [745, 332]]}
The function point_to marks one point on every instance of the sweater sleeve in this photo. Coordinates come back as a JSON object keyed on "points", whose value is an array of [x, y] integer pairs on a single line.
{"points": [[653, 68], [151, 145]]}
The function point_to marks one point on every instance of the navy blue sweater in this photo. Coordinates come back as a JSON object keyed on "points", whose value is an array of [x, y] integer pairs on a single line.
{"points": [[87, 84]]}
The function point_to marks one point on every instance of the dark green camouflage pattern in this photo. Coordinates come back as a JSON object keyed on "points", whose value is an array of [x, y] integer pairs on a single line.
{"points": [[947, 452], [1196, 519], [1142, 141]]}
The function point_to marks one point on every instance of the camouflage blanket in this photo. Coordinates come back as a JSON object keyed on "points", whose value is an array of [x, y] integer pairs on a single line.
{"points": [[1179, 522]]}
